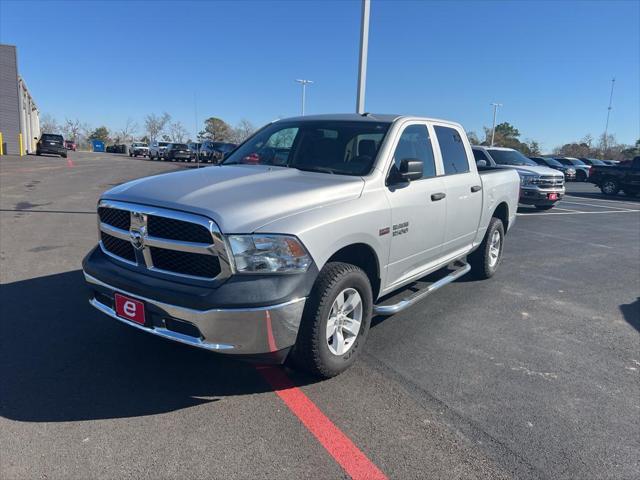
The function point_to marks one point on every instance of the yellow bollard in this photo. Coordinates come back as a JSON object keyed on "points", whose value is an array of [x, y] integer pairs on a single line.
{"points": [[1, 145], [21, 145]]}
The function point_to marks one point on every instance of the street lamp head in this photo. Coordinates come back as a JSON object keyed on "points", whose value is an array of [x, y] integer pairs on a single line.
{"points": [[304, 82]]}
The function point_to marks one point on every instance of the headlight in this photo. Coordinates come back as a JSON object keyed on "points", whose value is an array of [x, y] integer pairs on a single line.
{"points": [[528, 179], [268, 254]]}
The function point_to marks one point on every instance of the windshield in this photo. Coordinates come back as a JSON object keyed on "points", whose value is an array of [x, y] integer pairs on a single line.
{"points": [[553, 162], [52, 138], [328, 146], [575, 161], [595, 161], [511, 157]]}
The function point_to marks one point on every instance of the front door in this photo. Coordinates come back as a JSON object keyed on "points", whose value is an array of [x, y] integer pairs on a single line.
{"points": [[418, 209]]}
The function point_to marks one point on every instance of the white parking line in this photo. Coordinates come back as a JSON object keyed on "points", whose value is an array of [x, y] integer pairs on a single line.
{"points": [[636, 204], [550, 214], [566, 209], [595, 205]]}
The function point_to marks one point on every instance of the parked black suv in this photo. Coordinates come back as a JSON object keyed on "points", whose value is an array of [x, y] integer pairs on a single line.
{"points": [[215, 152], [177, 151], [51, 143]]}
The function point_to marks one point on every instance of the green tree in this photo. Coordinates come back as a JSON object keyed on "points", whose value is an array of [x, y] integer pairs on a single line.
{"points": [[100, 133], [216, 129]]}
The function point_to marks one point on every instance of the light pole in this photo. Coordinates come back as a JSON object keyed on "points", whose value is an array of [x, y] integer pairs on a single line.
{"points": [[304, 84], [364, 48], [493, 129], [606, 128]]}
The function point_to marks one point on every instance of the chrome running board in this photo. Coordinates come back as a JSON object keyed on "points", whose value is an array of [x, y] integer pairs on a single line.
{"points": [[415, 297]]}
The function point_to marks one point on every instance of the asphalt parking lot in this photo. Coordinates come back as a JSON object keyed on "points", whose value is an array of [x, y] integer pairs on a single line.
{"points": [[532, 374]]}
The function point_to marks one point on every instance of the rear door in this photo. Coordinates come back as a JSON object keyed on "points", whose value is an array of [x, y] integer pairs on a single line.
{"points": [[463, 188], [417, 208]]}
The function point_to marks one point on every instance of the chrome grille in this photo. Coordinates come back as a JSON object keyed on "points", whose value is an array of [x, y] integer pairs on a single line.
{"points": [[115, 217], [118, 247], [165, 241], [550, 181]]}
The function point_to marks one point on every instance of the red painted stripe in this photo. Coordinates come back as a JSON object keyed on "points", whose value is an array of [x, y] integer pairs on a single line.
{"points": [[339, 446], [270, 339]]}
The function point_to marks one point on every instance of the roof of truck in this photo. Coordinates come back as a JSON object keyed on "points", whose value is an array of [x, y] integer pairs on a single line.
{"points": [[370, 117]]}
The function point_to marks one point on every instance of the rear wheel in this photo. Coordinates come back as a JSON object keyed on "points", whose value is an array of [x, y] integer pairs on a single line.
{"points": [[335, 322], [485, 259], [610, 186]]}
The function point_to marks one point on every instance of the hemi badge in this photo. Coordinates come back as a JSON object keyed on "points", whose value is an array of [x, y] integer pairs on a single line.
{"points": [[384, 231]]}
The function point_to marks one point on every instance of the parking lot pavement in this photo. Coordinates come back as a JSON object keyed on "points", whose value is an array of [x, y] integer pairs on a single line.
{"points": [[532, 374]]}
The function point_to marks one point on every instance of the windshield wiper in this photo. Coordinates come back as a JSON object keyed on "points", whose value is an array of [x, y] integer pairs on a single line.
{"points": [[313, 169]]}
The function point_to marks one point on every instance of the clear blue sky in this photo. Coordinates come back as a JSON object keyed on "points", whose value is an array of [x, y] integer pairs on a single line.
{"points": [[549, 63]]}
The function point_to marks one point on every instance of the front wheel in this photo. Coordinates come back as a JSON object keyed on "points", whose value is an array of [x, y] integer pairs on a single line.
{"points": [[485, 259], [335, 321], [610, 187]]}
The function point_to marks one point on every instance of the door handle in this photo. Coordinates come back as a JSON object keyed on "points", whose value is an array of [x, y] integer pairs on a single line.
{"points": [[476, 188], [437, 196]]}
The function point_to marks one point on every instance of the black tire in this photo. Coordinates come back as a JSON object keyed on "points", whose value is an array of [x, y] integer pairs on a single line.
{"points": [[581, 176], [610, 186], [311, 351], [480, 260], [544, 207]]}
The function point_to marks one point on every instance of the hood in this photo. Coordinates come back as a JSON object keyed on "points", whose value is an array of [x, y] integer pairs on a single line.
{"points": [[240, 198], [538, 170]]}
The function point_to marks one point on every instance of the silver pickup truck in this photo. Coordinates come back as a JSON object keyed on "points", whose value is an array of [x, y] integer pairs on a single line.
{"points": [[287, 249]]}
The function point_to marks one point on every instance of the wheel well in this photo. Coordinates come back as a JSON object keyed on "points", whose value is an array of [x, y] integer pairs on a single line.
{"points": [[363, 256], [502, 212]]}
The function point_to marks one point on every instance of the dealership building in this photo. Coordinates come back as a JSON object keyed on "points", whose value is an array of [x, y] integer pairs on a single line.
{"points": [[19, 116]]}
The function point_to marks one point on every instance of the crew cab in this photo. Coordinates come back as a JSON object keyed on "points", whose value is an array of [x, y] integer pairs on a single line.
{"points": [[541, 186], [139, 148], [51, 143], [611, 179], [156, 150], [310, 227]]}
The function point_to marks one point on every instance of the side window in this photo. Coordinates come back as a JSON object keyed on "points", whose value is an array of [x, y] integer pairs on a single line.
{"points": [[454, 156], [479, 155], [415, 143]]}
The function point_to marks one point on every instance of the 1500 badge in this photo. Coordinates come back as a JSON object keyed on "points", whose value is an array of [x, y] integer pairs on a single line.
{"points": [[400, 228]]}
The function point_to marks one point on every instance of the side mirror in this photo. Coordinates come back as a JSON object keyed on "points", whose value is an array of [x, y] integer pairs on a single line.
{"points": [[410, 169], [481, 163]]}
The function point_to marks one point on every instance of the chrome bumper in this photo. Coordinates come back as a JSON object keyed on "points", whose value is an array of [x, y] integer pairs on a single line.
{"points": [[250, 331]]}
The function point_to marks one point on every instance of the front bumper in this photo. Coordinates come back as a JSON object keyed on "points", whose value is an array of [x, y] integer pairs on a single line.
{"points": [[540, 196], [252, 331]]}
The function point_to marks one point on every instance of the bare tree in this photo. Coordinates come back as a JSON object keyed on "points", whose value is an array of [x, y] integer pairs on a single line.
{"points": [[48, 124], [243, 130], [127, 133], [177, 132], [155, 125], [72, 129]]}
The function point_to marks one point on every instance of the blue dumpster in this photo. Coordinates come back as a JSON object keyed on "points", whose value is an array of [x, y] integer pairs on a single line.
{"points": [[97, 145]]}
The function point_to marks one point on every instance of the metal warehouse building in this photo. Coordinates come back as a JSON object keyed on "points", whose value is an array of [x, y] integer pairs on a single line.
{"points": [[19, 116]]}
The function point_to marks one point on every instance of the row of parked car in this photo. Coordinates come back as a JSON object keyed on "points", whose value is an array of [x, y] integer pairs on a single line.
{"points": [[542, 179], [207, 151]]}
